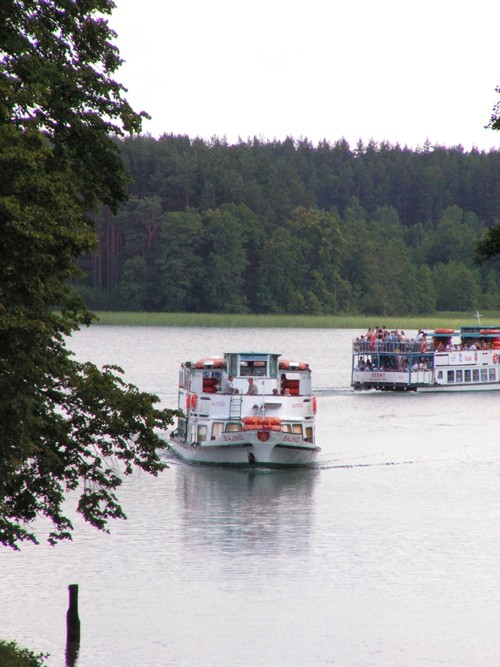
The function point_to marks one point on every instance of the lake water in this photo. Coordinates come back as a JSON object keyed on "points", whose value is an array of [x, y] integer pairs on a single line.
{"points": [[387, 554]]}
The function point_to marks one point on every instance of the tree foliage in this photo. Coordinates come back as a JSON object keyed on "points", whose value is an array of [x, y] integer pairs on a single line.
{"points": [[285, 226], [489, 244], [64, 425], [12, 655]]}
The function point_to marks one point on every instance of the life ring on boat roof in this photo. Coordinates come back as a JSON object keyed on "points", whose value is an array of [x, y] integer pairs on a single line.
{"points": [[287, 365], [211, 362], [495, 358], [492, 332], [444, 331]]}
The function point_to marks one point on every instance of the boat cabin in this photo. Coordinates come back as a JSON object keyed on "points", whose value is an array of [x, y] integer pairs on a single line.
{"points": [[215, 396], [271, 374]]}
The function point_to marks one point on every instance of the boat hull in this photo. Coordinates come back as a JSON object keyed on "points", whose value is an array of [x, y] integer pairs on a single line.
{"points": [[267, 449]]}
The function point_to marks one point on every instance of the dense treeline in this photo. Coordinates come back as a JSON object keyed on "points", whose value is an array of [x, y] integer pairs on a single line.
{"points": [[286, 226]]}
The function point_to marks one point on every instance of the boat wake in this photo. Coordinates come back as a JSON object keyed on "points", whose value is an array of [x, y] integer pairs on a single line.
{"points": [[337, 465]]}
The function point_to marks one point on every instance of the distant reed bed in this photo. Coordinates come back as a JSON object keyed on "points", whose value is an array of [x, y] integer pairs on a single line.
{"points": [[228, 320]]}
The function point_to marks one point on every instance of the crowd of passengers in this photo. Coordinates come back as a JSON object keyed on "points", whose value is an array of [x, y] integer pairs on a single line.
{"points": [[222, 383], [381, 339], [393, 363]]}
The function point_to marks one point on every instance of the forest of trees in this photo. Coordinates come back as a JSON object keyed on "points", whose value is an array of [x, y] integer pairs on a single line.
{"points": [[291, 227]]}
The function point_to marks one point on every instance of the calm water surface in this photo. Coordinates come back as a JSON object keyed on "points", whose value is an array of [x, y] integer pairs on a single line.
{"points": [[387, 554]]}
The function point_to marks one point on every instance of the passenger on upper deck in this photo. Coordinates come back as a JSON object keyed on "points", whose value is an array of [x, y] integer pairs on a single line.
{"points": [[252, 387], [227, 383]]}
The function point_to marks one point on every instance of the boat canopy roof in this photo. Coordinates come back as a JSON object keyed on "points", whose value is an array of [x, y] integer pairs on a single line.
{"points": [[248, 364], [252, 364]]}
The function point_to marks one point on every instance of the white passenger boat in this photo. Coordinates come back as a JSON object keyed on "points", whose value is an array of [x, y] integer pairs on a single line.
{"points": [[442, 360], [223, 423]]}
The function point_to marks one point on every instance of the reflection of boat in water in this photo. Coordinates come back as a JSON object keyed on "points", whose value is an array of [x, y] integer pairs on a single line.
{"points": [[437, 361], [248, 510], [246, 409]]}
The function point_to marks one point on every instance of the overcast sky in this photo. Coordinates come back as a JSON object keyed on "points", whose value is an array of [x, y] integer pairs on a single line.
{"points": [[389, 70]]}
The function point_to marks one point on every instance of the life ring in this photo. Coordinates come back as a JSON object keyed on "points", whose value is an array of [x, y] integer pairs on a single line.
{"points": [[194, 400], [495, 358], [271, 421], [444, 331], [256, 421], [212, 362], [315, 404], [287, 365], [252, 420], [487, 332]]}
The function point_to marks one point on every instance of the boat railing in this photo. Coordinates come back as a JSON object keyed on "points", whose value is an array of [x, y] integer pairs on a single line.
{"points": [[401, 347]]}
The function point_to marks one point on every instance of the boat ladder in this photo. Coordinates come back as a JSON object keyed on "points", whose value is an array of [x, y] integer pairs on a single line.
{"points": [[235, 407]]}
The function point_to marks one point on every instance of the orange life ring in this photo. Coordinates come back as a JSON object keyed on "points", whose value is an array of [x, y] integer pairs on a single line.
{"points": [[194, 400], [444, 331], [495, 358], [489, 331], [315, 404], [271, 421], [257, 421], [252, 420], [286, 365], [211, 362]]}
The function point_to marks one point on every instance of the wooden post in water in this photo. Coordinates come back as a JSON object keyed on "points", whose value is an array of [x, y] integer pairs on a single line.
{"points": [[72, 619]]}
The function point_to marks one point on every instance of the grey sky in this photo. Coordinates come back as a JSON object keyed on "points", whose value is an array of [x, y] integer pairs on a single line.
{"points": [[323, 69]]}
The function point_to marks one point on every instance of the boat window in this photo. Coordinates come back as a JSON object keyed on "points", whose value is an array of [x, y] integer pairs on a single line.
{"points": [[297, 428], [256, 367], [286, 428], [211, 382], [492, 374], [217, 428], [459, 376], [233, 426], [450, 377], [202, 433], [309, 434], [484, 374], [468, 376], [475, 375]]}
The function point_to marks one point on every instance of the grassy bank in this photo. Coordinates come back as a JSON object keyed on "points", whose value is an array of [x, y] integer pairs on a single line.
{"points": [[437, 320]]}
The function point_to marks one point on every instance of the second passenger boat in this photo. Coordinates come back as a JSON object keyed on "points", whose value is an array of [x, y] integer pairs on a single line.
{"points": [[442, 360]]}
